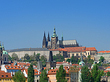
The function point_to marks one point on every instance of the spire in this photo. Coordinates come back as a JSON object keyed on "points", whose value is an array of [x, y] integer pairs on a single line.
{"points": [[62, 37], [48, 38], [54, 33], [3, 46], [50, 57], [44, 41]]}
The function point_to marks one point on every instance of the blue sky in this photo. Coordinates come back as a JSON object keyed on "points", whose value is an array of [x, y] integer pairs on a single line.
{"points": [[23, 22]]}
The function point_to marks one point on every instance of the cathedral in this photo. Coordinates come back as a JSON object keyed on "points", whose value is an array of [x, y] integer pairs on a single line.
{"points": [[55, 43]]}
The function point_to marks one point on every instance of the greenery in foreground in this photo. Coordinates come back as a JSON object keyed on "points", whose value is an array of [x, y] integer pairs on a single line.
{"points": [[93, 76], [30, 73], [60, 75], [43, 76], [19, 77]]}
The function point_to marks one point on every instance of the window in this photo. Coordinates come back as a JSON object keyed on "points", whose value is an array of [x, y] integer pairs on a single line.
{"points": [[6, 75], [1, 54], [5, 58], [2, 75]]}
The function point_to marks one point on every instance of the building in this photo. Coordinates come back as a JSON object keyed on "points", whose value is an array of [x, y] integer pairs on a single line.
{"points": [[3, 55], [55, 43], [5, 77], [105, 54], [30, 51]]}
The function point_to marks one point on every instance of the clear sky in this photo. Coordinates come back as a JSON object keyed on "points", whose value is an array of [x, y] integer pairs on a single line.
{"points": [[23, 22]]}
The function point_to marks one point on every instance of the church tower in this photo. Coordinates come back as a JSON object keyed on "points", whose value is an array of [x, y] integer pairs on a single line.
{"points": [[44, 41], [48, 38], [54, 39]]}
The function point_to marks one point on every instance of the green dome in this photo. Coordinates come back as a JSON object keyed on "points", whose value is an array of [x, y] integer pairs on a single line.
{"points": [[80, 63], [54, 33], [5, 52]]}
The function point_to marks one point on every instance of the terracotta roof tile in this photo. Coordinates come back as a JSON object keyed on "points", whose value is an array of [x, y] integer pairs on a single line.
{"points": [[104, 52], [5, 75]]}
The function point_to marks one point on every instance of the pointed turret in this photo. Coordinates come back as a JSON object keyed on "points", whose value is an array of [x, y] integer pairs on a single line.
{"points": [[48, 38], [50, 57], [44, 41], [54, 33], [62, 37]]}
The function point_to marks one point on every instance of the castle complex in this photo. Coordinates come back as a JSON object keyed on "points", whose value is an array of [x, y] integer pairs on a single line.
{"points": [[55, 43]]}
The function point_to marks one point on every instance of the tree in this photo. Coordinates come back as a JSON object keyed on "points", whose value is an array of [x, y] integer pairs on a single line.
{"points": [[30, 73], [19, 77], [43, 76], [101, 59], [85, 74], [60, 75], [96, 74], [9, 58], [43, 59], [58, 58], [26, 57], [14, 56], [37, 56], [108, 73]]}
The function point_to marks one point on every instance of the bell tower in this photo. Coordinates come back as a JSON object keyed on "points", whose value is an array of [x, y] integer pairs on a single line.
{"points": [[54, 39]]}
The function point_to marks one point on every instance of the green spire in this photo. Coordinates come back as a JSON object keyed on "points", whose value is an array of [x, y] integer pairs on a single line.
{"points": [[54, 33], [62, 37]]}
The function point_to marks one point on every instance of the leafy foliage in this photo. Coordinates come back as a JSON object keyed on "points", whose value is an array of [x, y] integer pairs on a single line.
{"points": [[9, 58], [101, 59], [73, 60], [26, 57], [60, 75], [43, 59], [96, 74], [58, 58], [43, 76], [30, 73], [19, 77], [108, 73], [14, 56], [85, 74]]}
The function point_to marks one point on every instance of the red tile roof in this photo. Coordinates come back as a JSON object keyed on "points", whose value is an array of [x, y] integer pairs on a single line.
{"points": [[104, 52], [5, 75], [75, 49], [35, 72], [13, 67]]}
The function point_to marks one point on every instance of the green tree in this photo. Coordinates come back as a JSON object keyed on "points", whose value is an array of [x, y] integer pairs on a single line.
{"points": [[30, 73], [96, 74], [89, 57], [19, 77], [60, 75], [58, 58], [85, 74], [9, 58], [43, 76], [37, 56], [14, 56], [26, 57], [108, 73], [43, 59], [68, 60], [101, 59]]}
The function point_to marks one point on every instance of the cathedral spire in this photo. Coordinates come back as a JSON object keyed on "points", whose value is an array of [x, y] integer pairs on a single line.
{"points": [[62, 37], [44, 41], [48, 38], [54, 33]]}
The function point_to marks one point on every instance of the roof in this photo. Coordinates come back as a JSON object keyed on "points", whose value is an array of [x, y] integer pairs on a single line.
{"points": [[75, 49], [36, 72], [104, 52], [69, 42], [13, 67], [5, 75], [28, 49]]}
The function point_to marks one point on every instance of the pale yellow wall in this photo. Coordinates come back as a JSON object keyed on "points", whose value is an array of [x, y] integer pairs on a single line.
{"points": [[8, 80], [52, 78]]}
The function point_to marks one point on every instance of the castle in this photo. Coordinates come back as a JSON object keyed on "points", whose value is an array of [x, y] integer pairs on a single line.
{"points": [[55, 43]]}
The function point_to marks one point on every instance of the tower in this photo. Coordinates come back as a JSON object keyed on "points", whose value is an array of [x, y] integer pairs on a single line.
{"points": [[50, 63], [54, 39], [44, 41], [48, 38]]}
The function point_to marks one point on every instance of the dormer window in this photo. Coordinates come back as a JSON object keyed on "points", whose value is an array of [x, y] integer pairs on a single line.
{"points": [[2, 75], [6, 75]]}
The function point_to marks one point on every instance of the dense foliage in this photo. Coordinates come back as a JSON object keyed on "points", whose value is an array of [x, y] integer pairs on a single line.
{"points": [[74, 60], [14, 56], [101, 59], [58, 58], [19, 77], [108, 73], [85, 74], [30, 73], [43, 59], [43, 76], [60, 75]]}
